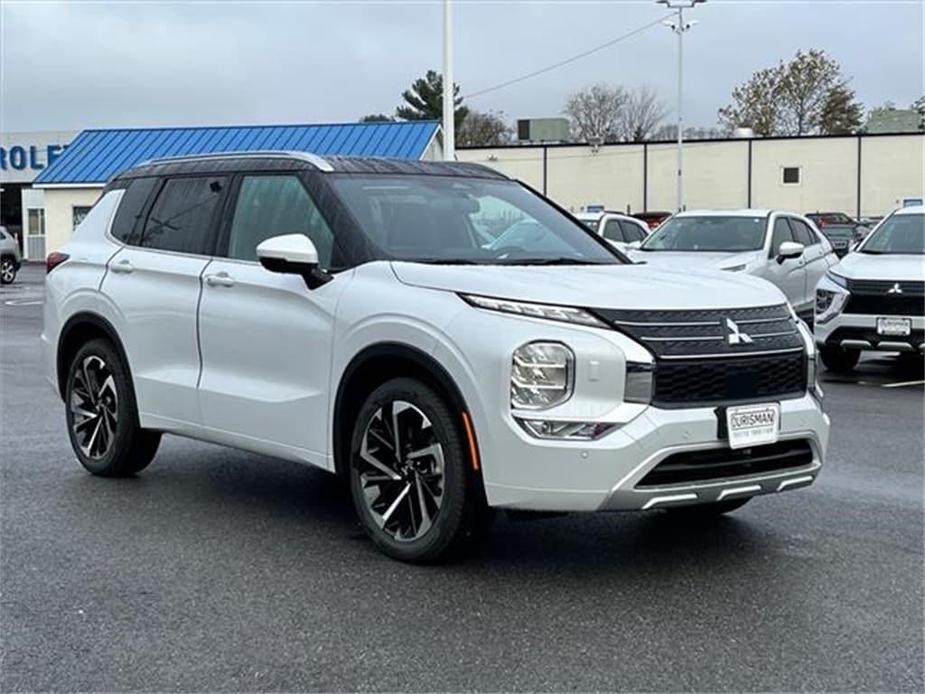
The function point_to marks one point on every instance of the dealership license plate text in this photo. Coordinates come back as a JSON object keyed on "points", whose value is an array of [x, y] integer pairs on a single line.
{"points": [[898, 327], [753, 425]]}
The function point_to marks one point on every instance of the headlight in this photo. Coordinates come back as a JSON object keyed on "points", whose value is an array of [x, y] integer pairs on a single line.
{"points": [[542, 375], [837, 279], [829, 304], [638, 384], [565, 314]]}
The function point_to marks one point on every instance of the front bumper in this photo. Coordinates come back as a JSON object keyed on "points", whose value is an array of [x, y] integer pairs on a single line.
{"points": [[859, 331], [606, 474]]}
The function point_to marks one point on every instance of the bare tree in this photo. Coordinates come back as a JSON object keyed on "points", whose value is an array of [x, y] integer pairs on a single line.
{"points": [[595, 112], [487, 129], [641, 115]]}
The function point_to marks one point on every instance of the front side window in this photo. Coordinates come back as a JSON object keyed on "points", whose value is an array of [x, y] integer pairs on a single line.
{"points": [[782, 234], [632, 232], [450, 219], [901, 234], [802, 233], [182, 216], [272, 206], [718, 234]]}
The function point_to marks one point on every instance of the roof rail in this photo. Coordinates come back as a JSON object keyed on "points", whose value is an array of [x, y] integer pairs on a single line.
{"points": [[319, 163]]}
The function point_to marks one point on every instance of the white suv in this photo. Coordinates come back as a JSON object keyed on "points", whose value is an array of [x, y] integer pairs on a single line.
{"points": [[345, 313], [875, 298], [781, 247]]}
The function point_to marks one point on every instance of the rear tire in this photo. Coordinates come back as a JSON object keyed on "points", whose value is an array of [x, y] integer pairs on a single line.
{"points": [[709, 510], [839, 360], [102, 417], [423, 503], [8, 270]]}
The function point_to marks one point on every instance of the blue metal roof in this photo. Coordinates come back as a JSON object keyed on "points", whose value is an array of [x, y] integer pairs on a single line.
{"points": [[95, 156]]}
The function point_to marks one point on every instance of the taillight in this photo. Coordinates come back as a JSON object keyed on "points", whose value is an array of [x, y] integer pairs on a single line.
{"points": [[53, 260]]}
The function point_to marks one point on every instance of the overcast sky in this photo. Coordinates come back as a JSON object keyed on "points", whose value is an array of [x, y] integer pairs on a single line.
{"points": [[108, 64]]}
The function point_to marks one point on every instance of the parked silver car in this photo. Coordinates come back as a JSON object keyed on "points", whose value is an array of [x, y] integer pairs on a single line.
{"points": [[782, 247], [10, 259]]}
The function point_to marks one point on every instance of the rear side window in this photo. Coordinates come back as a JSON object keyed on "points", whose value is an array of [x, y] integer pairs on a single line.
{"points": [[632, 232], [613, 231], [181, 219], [128, 222], [271, 206]]}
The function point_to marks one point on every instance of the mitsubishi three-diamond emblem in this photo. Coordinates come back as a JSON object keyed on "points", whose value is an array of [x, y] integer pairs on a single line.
{"points": [[895, 289], [734, 336]]}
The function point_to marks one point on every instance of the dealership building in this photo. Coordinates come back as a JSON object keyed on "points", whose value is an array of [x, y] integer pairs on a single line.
{"points": [[23, 157], [862, 175]]}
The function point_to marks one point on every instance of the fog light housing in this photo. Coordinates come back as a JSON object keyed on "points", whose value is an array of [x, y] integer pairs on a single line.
{"points": [[542, 375], [637, 386], [575, 431], [829, 304]]}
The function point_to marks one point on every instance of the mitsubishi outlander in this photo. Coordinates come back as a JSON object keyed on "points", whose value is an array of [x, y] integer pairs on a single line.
{"points": [[350, 314]]}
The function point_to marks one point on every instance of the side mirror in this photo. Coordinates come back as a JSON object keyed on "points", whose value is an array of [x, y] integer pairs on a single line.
{"points": [[788, 250], [293, 254]]}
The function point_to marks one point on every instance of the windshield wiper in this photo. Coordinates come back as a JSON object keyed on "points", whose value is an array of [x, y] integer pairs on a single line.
{"points": [[441, 261], [551, 261], [871, 252]]}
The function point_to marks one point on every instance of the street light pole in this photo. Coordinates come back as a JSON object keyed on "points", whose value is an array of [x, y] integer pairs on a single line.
{"points": [[449, 97], [680, 27]]}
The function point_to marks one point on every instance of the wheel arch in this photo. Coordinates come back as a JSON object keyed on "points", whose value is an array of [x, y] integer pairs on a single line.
{"points": [[77, 331], [372, 367]]}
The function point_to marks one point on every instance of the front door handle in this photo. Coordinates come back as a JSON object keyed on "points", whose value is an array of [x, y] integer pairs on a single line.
{"points": [[123, 267], [220, 279]]}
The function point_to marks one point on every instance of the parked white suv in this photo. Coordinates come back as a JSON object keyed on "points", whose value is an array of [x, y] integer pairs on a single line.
{"points": [[874, 299], [781, 247], [344, 313], [623, 231]]}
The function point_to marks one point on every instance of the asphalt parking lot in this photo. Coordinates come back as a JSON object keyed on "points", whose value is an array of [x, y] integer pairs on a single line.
{"points": [[222, 570]]}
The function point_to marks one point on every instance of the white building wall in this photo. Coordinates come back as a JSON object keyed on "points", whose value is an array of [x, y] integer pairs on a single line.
{"points": [[716, 174], [59, 212]]}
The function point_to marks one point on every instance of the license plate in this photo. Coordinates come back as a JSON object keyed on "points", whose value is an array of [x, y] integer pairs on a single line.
{"points": [[753, 425], [894, 327]]}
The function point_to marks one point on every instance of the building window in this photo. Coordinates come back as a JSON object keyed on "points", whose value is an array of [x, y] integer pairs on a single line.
{"points": [[36, 221], [791, 175], [79, 212]]}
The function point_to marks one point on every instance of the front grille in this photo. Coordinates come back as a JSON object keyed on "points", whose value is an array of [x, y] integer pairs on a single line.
{"points": [[886, 298], [713, 381], [713, 356], [886, 305], [722, 463]]}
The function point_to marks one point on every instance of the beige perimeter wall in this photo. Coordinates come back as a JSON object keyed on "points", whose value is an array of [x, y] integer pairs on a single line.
{"points": [[716, 174]]}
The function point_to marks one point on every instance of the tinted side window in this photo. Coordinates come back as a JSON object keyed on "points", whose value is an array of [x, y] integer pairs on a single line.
{"points": [[181, 218], [782, 233], [613, 231], [631, 232], [127, 224], [275, 205], [802, 233]]}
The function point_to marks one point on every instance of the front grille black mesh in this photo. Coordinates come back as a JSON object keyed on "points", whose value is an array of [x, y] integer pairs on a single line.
{"points": [[714, 381], [721, 463], [879, 287], [886, 305], [702, 360]]}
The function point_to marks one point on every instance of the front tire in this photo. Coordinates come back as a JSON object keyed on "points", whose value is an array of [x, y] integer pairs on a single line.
{"points": [[410, 474], [102, 418], [7, 270], [839, 360]]}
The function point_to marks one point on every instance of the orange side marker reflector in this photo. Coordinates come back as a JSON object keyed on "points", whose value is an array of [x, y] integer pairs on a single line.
{"points": [[470, 437]]}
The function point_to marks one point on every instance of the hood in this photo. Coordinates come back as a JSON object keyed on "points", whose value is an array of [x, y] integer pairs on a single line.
{"points": [[596, 286], [882, 267], [695, 259]]}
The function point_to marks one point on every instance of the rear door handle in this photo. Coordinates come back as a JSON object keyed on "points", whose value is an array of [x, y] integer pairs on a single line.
{"points": [[221, 279], [123, 267]]}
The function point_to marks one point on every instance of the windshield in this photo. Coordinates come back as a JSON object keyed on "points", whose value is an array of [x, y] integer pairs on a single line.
{"points": [[449, 219], [902, 234], [720, 234]]}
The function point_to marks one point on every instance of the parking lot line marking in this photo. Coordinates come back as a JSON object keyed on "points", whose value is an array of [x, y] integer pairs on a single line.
{"points": [[903, 383]]}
